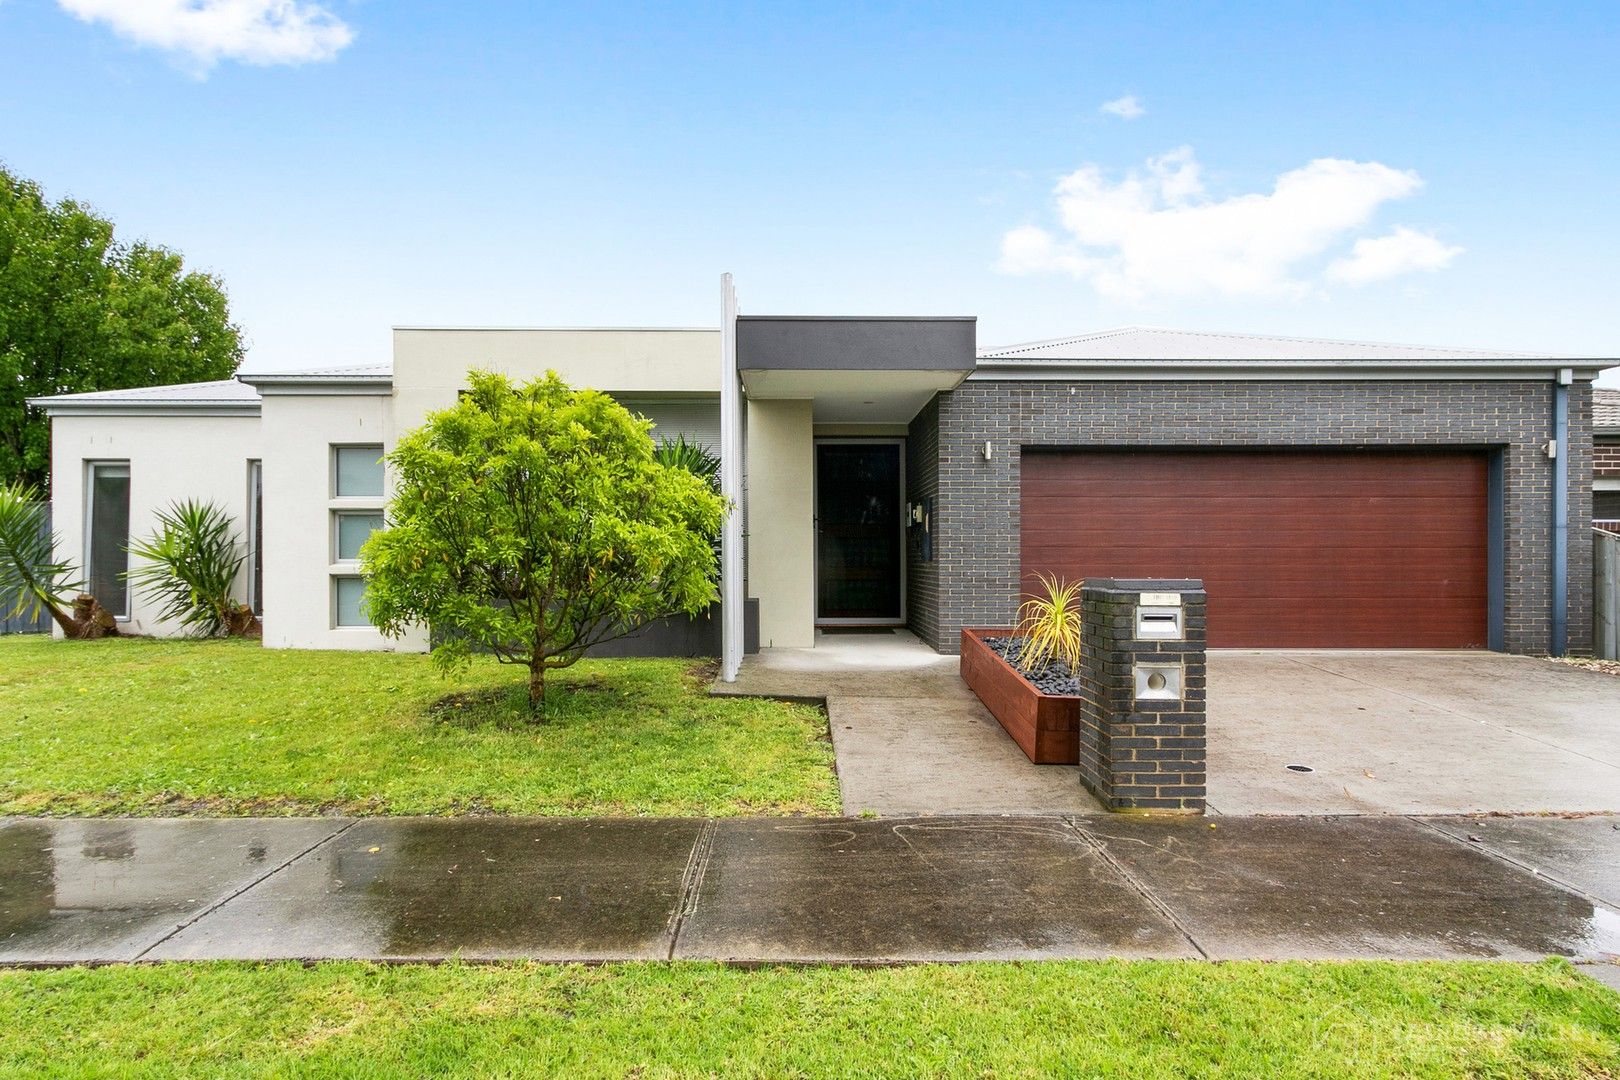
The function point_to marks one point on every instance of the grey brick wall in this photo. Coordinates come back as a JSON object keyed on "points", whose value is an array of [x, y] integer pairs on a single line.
{"points": [[1141, 754], [973, 580], [922, 480]]}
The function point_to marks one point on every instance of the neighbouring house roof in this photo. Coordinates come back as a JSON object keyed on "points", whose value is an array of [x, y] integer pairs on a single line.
{"points": [[240, 396], [1605, 409], [220, 397], [1145, 347]]}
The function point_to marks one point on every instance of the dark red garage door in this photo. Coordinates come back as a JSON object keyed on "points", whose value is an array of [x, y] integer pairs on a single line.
{"points": [[1298, 549]]}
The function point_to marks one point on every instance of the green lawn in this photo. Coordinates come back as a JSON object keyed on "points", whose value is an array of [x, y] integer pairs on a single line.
{"points": [[1108, 1018], [226, 727]]}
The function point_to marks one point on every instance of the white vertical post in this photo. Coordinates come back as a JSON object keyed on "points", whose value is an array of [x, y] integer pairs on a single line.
{"points": [[732, 587]]}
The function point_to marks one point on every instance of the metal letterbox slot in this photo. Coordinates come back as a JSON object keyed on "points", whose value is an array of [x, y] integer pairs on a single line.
{"points": [[1158, 624], [1157, 682]]}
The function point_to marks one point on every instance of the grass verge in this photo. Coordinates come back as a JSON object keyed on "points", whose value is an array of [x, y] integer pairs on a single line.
{"points": [[226, 727], [1103, 1018]]}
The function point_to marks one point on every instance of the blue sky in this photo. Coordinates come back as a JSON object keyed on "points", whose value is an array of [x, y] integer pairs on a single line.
{"points": [[1441, 174]]}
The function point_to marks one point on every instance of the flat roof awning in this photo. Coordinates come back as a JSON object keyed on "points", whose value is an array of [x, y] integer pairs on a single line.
{"points": [[854, 369]]}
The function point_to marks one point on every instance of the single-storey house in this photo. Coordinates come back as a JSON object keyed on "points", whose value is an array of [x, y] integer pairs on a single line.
{"points": [[888, 471]]}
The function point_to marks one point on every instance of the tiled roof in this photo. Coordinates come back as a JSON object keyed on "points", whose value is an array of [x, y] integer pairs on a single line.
{"points": [[1158, 343], [1606, 408]]}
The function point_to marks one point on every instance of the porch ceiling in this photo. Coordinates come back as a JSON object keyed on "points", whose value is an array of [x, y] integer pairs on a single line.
{"points": [[853, 397]]}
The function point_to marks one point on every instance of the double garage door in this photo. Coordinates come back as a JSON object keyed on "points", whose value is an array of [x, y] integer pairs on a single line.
{"points": [[1298, 549]]}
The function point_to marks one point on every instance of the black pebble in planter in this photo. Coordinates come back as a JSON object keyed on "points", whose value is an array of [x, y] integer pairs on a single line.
{"points": [[1045, 726]]}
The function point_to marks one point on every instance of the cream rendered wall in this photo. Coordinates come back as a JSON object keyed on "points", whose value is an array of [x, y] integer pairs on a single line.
{"points": [[430, 366], [172, 456], [299, 432], [781, 512]]}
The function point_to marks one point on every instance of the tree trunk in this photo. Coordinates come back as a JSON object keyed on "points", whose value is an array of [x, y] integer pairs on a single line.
{"points": [[91, 620], [537, 691]]}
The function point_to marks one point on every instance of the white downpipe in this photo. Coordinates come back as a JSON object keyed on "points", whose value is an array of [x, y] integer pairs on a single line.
{"points": [[731, 463]]}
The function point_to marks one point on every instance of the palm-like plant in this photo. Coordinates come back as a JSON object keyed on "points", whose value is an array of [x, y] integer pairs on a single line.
{"points": [[31, 578], [189, 566], [1049, 623], [695, 458]]}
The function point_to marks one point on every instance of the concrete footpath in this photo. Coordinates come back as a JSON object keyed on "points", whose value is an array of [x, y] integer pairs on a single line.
{"points": [[785, 889]]}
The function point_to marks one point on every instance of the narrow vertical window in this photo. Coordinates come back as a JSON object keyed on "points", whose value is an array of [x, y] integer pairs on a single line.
{"points": [[107, 535], [255, 532]]}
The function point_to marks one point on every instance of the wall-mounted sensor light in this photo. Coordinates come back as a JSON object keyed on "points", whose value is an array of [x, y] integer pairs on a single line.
{"points": [[987, 450]]}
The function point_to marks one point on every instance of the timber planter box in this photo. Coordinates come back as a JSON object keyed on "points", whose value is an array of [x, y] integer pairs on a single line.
{"points": [[1045, 726]]}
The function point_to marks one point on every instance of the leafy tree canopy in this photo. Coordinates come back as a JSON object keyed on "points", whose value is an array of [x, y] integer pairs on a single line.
{"points": [[535, 521], [80, 311]]}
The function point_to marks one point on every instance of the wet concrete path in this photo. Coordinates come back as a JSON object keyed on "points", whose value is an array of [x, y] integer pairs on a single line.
{"points": [[782, 889]]}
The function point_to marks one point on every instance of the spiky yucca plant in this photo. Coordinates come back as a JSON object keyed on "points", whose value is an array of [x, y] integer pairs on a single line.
{"points": [[189, 565], [1049, 623], [695, 458]]}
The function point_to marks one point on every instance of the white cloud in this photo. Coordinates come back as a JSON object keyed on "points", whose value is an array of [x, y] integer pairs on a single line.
{"points": [[262, 32], [1157, 231], [1401, 252], [1126, 108]]}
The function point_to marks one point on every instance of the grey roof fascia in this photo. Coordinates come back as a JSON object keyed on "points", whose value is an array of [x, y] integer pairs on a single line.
{"points": [[144, 408], [855, 343], [1113, 369], [306, 384]]}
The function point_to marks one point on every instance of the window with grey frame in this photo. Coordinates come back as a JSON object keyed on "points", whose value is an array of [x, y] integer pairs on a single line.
{"points": [[350, 530], [349, 601], [106, 534], [357, 486], [357, 472], [255, 531]]}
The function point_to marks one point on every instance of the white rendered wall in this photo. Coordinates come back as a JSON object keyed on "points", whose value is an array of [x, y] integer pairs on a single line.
{"points": [[172, 457], [781, 535], [299, 433], [430, 366]]}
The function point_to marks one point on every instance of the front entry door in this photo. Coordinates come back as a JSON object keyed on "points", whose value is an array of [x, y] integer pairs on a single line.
{"points": [[858, 533]]}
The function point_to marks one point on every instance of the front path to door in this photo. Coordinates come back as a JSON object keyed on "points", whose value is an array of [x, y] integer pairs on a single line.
{"points": [[909, 736]]}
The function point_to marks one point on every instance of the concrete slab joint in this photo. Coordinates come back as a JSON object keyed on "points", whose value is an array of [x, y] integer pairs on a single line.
{"points": [[1142, 691]]}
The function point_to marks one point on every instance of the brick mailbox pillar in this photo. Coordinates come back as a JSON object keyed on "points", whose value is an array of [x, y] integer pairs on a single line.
{"points": [[1142, 694]]}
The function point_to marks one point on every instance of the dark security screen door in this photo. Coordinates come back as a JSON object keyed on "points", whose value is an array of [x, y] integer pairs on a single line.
{"points": [[858, 532]]}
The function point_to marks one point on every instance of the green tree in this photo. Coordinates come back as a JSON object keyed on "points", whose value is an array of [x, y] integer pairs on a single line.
{"points": [[81, 311], [533, 522]]}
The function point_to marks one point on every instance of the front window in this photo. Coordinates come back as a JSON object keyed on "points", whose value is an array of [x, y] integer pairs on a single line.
{"points": [[348, 602], [350, 529], [107, 535], [357, 472]]}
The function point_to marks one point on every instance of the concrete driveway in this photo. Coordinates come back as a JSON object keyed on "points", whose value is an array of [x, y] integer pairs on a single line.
{"points": [[1410, 733]]}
